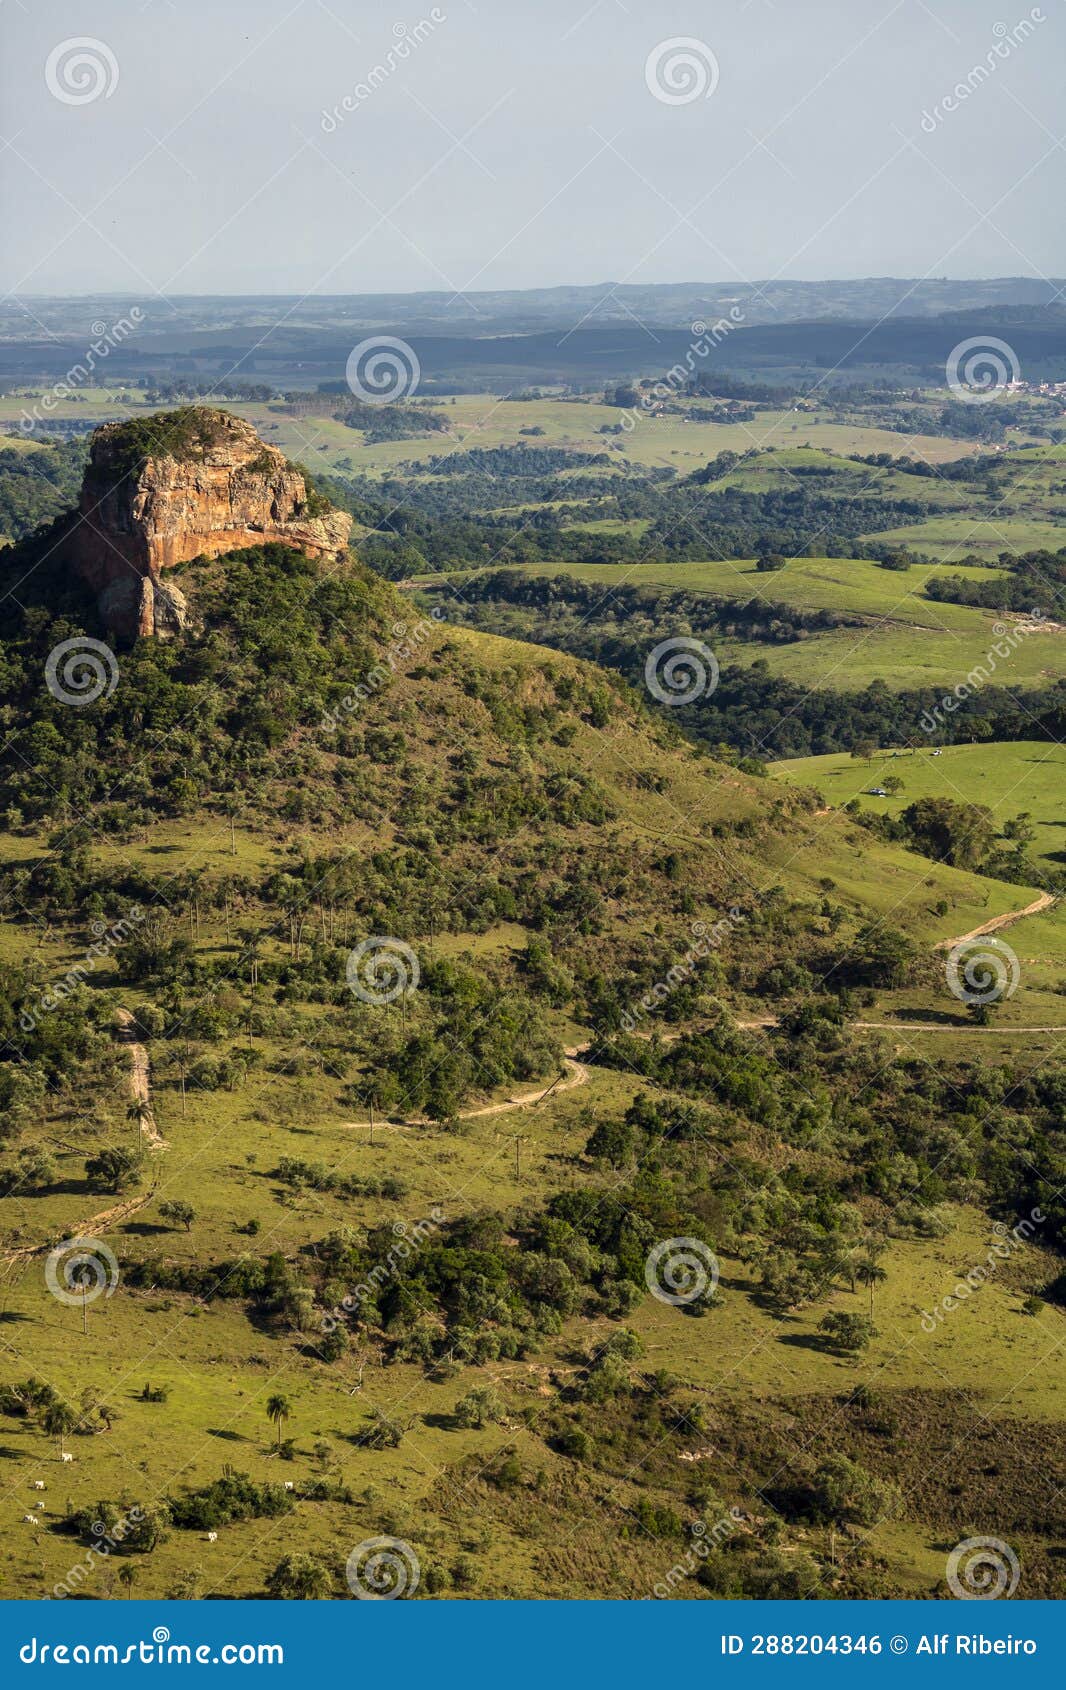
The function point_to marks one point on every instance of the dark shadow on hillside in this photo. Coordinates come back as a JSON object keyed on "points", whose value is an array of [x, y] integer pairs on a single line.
{"points": [[925, 1017], [809, 1341]]}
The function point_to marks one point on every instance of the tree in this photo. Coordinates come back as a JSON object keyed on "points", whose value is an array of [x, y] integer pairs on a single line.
{"points": [[114, 1169], [963, 835], [301, 1578], [178, 1211], [59, 1422], [843, 1492], [868, 1271], [140, 1113], [127, 1575], [480, 1407], [1020, 830], [879, 956], [278, 1410], [848, 1333]]}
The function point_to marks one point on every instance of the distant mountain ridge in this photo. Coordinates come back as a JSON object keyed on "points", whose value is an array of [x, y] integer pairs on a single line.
{"points": [[506, 341], [666, 304]]}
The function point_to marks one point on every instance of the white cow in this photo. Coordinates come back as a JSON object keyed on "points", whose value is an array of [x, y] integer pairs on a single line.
{"points": [[65, 1457], [289, 1485], [38, 1484], [31, 1519], [212, 1537]]}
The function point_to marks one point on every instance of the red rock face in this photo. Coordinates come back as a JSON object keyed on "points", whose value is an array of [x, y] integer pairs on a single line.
{"points": [[230, 493]]}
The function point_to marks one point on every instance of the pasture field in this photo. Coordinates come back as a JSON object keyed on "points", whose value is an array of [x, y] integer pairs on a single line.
{"points": [[842, 584], [907, 640], [1006, 777], [950, 538], [486, 420]]}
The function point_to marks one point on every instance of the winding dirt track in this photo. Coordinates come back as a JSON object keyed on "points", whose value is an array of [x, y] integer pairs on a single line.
{"points": [[577, 1075], [140, 1078], [1037, 907], [140, 1093]]}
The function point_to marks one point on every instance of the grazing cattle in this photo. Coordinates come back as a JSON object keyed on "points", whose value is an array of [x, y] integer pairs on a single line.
{"points": [[289, 1485], [66, 1458], [31, 1519], [212, 1537], [38, 1484]]}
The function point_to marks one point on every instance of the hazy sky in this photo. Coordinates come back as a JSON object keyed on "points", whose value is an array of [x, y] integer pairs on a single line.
{"points": [[524, 144]]}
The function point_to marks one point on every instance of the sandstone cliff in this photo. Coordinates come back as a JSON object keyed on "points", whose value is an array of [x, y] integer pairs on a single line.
{"points": [[162, 490]]}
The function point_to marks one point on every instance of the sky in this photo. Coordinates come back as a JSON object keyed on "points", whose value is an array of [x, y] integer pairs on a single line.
{"points": [[251, 146]]}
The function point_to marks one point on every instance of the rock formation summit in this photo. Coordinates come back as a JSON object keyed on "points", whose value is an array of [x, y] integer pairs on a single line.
{"points": [[164, 489]]}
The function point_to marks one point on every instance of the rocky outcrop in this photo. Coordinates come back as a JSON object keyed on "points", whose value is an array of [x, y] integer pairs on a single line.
{"points": [[163, 490]]}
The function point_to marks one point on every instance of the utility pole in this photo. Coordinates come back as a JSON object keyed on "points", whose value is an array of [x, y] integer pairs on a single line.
{"points": [[517, 1139]]}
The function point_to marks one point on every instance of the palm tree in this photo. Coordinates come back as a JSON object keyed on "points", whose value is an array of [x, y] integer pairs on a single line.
{"points": [[59, 1422], [127, 1575], [140, 1112], [278, 1409], [868, 1271]]}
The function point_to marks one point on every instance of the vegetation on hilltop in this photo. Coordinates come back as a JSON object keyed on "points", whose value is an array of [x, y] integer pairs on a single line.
{"points": [[185, 435]]}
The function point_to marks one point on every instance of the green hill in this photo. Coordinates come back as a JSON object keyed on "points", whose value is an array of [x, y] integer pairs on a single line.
{"points": [[472, 1009]]}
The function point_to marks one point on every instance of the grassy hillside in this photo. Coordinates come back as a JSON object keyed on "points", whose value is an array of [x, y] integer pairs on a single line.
{"points": [[895, 632], [387, 1233]]}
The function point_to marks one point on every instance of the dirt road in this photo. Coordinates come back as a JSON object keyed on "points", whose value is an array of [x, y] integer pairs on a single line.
{"points": [[576, 1075]]}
